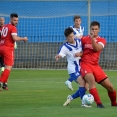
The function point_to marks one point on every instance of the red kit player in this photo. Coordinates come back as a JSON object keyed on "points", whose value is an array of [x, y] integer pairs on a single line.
{"points": [[7, 40], [90, 69]]}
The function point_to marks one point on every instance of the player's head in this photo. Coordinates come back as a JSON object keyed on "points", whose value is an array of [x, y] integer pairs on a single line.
{"points": [[2, 21], [69, 34], [14, 19], [95, 27], [77, 21]]}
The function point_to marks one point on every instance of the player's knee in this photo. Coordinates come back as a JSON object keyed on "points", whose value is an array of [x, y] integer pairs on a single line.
{"points": [[110, 88], [81, 82]]}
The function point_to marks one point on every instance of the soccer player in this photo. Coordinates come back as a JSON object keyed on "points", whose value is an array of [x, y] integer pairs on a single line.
{"points": [[1, 60], [91, 71], [2, 21], [78, 32], [69, 49], [78, 29], [8, 37]]}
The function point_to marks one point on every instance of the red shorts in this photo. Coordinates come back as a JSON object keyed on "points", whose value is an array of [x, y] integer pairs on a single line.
{"points": [[96, 70], [8, 57]]}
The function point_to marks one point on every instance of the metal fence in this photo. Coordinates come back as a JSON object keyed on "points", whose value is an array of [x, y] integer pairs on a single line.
{"points": [[44, 21]]}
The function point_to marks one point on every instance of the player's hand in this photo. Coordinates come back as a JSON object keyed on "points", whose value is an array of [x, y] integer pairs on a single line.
{"points": [[92, 34], [25, 39], [57, 57], [77, 54], [15, 45]]}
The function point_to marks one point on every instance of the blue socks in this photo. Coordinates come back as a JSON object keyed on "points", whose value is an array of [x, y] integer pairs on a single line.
{"points": [[79, 93], [76, 94], [70, 79]]}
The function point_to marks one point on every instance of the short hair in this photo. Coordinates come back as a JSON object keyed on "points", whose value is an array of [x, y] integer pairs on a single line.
{"points": [[76, 17], [13, 15], [95, 23], [68, 31]]}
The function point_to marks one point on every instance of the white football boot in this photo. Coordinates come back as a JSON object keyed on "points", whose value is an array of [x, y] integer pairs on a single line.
{"points": [[69, 84], [69, 99]]}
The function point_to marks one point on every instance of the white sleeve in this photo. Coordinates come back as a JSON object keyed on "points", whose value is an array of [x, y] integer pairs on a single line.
{"points": [[80, 45], [101, 44], [63, 51], [81, 30]]}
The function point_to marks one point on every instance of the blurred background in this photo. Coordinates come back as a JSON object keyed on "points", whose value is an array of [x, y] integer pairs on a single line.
{"points": [[44, 22]]}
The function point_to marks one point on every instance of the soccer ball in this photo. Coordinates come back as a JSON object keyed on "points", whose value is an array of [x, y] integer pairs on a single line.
{"points": [[88, 99]]}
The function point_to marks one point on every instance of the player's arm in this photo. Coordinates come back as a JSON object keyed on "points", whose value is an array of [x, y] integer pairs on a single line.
{"points": [[57, 57], [16, 38], [96, 46], [62, 53]]}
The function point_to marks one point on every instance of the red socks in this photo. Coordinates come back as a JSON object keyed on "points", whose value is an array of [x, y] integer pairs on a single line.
{"points": [[94, 92], [112, 96], [5, 75]]}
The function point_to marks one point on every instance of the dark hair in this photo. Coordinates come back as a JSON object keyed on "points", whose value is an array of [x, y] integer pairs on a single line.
{"points": [[13, 15], [68, 31], [95, 23], [76, 17]]}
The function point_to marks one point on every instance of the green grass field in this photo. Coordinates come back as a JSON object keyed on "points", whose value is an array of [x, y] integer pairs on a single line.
{"points": [[41, 93]]}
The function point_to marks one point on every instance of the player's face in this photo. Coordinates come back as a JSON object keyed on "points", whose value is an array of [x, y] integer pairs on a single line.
{"points": [[95, 30], [14, 21], [70, 38], [77, 23], [2, 21]]}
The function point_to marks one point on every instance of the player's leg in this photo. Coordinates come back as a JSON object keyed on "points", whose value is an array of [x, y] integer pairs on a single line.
{"points": [[102, 79], [8, 60], [76, 94], [70, 98], [80, 92], [4, 77], [86, 72], [111, 91], [5, 86], [2, 64], [92, 89], [2, 69], [68, 83], [82, 89]]}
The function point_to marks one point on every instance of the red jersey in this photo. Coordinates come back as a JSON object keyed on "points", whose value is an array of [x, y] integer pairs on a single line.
{"points": [[6, 41], [0, 31], [89, 54]]}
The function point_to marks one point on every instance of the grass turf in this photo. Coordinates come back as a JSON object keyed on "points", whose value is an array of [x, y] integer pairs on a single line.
{"points": [[41, 93]]}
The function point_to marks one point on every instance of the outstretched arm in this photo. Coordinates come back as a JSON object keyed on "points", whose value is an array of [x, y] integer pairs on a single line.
{"points": [[57, 57], [16, 38]]}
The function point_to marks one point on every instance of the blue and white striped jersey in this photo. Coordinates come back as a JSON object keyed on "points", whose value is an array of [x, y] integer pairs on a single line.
{"points": [[69, 51], [78, 31]]}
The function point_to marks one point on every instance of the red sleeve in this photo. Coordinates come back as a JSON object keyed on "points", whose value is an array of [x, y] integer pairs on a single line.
{"points": [[103, 41], [13, 30]]}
